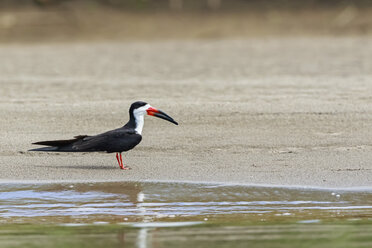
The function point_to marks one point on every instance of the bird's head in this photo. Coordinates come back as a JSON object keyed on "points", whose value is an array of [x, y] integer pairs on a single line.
{"points": [[140, 109]]}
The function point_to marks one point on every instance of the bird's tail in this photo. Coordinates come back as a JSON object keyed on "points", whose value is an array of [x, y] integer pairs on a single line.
{"points": [[45, 149], [57, 145]]}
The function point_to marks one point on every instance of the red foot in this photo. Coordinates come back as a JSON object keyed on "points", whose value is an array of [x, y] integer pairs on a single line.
{"points": [[120, 162]]}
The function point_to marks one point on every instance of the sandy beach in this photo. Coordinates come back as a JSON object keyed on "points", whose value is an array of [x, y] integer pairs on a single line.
{"points": [[272, 111]]}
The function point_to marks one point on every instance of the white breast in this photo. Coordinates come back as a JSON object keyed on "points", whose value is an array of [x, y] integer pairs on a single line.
{"points": [[140, 120]]}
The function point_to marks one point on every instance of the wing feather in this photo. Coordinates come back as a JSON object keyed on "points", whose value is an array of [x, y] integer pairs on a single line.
{"points": [[112, 141]]}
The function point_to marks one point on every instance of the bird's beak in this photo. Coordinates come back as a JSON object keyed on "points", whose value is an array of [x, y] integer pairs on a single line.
{"points": [[158, 113]]}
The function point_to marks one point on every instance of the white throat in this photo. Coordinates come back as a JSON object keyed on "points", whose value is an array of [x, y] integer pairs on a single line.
{"points": [[139, 115], [140, 120]]}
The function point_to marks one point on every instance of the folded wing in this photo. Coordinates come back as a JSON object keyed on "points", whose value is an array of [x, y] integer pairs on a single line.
{"points": [[117, 140]]}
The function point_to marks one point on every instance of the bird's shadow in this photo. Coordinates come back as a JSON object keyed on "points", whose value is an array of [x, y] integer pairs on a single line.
{"points": [[79, 167]]}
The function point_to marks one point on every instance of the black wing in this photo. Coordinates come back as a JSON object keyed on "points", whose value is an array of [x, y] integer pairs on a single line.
{"points": [[118, 140]]}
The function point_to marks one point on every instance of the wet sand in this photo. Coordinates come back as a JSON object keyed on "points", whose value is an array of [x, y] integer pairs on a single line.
{"points": [[271, 111]]}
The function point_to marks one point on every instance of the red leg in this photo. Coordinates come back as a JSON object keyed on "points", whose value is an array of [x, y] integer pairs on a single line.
{"points": [[117, 157], [122, 165]]}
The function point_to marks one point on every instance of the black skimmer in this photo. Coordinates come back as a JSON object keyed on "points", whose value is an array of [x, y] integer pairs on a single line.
{"points": [[118, 140]]}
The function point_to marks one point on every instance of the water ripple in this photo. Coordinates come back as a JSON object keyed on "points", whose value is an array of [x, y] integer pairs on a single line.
{"points": [[161, 199]]}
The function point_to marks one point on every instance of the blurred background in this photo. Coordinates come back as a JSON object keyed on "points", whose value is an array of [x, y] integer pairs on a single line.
{"points": [[75, 20]]}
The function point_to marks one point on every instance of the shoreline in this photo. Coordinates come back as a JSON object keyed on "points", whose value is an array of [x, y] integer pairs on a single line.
{"points": [[203, 183]]}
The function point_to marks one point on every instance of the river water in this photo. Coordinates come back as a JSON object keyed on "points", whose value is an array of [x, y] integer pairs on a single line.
{"points": [[195, 214]]}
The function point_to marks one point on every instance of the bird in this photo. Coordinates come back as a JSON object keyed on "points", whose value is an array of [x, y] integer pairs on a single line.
{"points": [[116, 141]]}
